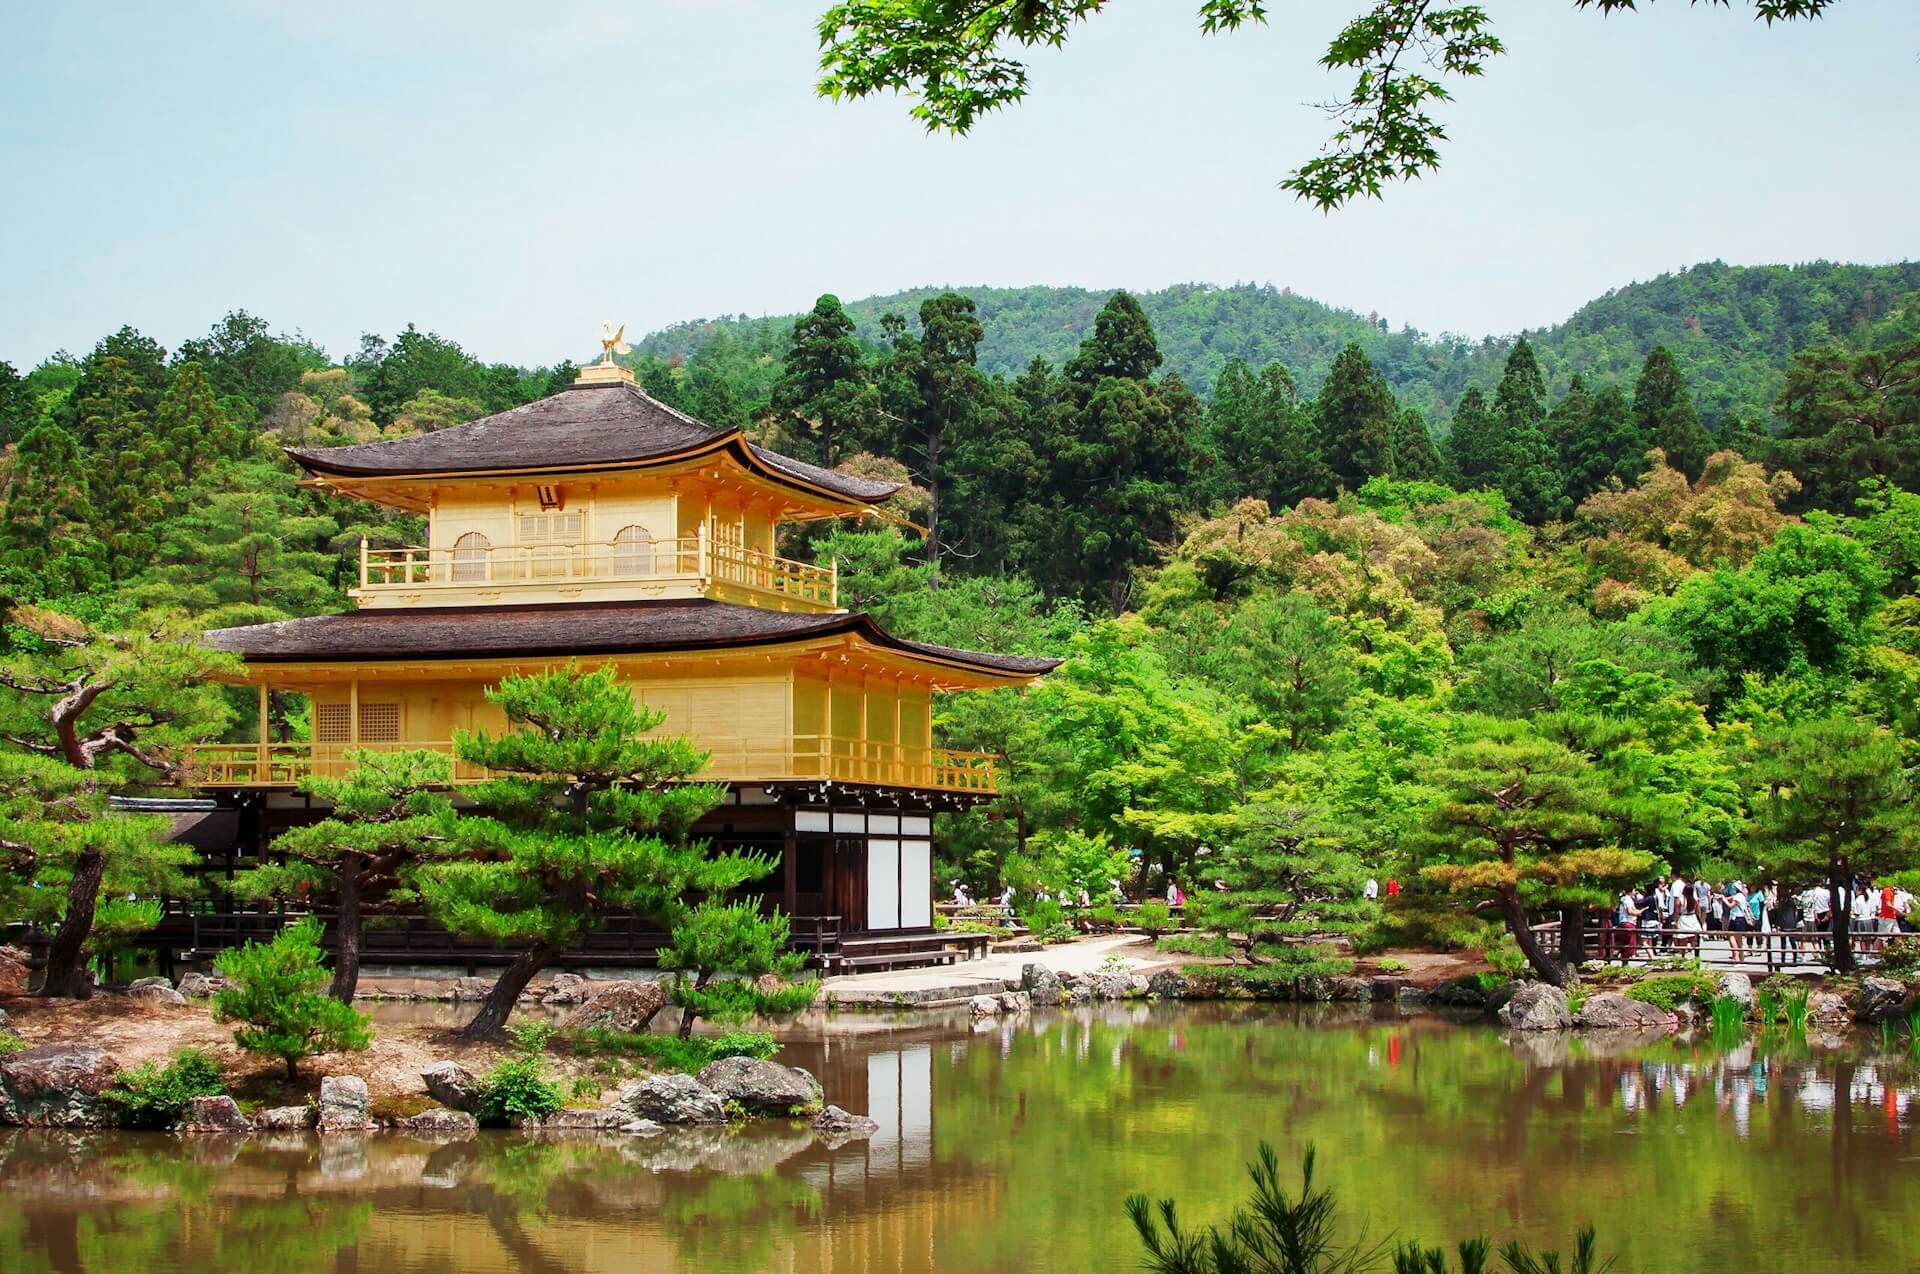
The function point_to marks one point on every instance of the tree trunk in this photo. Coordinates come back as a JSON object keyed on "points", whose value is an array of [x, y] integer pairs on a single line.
{"points": [[498, 1006], [688, 1012], [1573, 935], [346, 939], [1550, 971], [63, 973], [1841, 894]]}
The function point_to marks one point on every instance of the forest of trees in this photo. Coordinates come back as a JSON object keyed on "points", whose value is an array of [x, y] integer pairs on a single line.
{"points": [[1305, 632]]}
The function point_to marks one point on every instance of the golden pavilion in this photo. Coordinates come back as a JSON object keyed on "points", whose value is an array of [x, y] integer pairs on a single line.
{"points": [[601, 526]]}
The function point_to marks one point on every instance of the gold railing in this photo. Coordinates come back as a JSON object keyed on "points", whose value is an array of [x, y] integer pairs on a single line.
{"points": [[738, 760], [693, 558]]}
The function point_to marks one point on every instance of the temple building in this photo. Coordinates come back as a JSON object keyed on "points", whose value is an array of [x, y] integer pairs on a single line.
{"points": [[600, 526]]}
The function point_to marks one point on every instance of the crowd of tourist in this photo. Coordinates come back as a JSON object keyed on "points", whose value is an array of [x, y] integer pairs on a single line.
{"points": [[1678, 915]]}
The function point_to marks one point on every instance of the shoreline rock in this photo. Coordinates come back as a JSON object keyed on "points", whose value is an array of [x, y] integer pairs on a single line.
{"points": [[57, 1086]]}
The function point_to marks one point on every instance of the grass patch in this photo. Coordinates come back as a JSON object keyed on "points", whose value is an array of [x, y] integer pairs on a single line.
{"points": [[671, 1053]]}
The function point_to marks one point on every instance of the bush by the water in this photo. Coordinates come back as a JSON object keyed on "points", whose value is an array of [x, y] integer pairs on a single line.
{"points": [[273, 990], [152, 1096], [517, 1087], [670, 1053], [1281, 1234]]}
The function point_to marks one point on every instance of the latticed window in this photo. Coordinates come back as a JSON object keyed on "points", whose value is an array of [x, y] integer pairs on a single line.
{"points": [[379, 723], [551, 528], [331, 722], [633, 551], [470, 554]]}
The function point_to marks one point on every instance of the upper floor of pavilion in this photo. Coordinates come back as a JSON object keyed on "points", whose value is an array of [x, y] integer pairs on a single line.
{"points": [[599, 493]]}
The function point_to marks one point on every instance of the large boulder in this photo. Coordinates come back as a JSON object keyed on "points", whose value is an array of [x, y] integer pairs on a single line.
{"points": [[198, 986], [1463, 993], [1536, 1007], [285, 1119], [1386, 987], [471, 988], [343, 1105], [1611, 1011], [766, 1088], [586, 1119], [674, 1099], [1014, 1001], [983, 1006], [625, 1007], [139, 983], [1878, 1000], [439, 1124], [452, 1085], [157, 991], [1042, 985], [13, 971], [212, 1115], [1168, 984], [56, 1086], [1108, 986], [1739, 986], [567, 989]]}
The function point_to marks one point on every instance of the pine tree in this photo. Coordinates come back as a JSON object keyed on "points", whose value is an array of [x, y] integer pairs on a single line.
{"points": [[131, 472], [1602, 444], [591, 819], [824, 393], [1851, 418], [388, 814], [1832, 800], [273, 990], [138, 376], [1355, 417], [46, 546], [1122, 346], [18, 410], [938, 391], [713, 938], [1522, 820], [1265, 437], [1664, 415], [1527, 475], [120, 707], [1289, 875]]}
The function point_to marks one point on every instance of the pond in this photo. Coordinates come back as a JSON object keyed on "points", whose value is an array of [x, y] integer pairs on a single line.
{"points": [[1011, 1147]]}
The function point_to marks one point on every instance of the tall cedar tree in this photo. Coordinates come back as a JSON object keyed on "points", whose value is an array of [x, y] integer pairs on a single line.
{"points": [[1664, 415], [1124, 452], [119, 707], [1527, 474], [242, 359], [388, 814], [131, 471], [47, 547], [1522, 821], [824, 394], [18, 411], [1265, 437], [193, 428], [139, 373], [1601, 444], [937, 394], [1476, 445], [1414, 459], [590, 818], [1832, 800], [1355, 417], [1851, 418]]}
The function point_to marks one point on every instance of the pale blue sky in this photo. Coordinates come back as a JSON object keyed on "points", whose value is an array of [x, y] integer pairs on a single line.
{"points": [[510, 174]]}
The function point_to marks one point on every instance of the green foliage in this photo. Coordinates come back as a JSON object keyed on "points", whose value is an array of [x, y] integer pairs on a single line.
{"points": [[151, 1095], [1391, 965], [720, 952], [1154, 917], [1193, 944], [1671, 991], [11, 1042], [273, 990]]}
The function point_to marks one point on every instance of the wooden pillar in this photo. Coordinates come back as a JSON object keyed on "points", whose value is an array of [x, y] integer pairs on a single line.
{"points": [[353, 711], [790, 860], [263, 775]]}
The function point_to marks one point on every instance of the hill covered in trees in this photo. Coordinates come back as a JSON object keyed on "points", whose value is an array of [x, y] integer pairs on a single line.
{"points": [[1731, 330]]}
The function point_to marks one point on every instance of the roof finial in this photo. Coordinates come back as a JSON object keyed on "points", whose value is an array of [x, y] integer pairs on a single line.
{"points": [[613, 341]]}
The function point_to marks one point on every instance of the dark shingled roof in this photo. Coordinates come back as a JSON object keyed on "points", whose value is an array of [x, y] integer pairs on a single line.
{"points": [[578, 628], [581, 427]]}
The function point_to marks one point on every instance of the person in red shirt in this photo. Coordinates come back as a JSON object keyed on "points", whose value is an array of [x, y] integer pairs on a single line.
{"points": [[1393, 888]]}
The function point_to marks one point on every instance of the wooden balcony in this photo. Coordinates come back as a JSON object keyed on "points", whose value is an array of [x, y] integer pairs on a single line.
{"points": [[692, 566], [735, 760]]}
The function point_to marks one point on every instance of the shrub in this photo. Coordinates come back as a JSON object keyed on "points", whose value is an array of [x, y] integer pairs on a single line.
{"points": [[152, 1096], [1671, 990], [1901, 959], [273, 988], [1507, 959], [1195, 944], [1105, 916], [1390, 965], [11, 1043], [517, 1087], [1041, 913], [1155, 917]]}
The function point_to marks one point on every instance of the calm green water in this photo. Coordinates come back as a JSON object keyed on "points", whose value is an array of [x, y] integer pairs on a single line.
{"points": [[1010, 1149]]}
